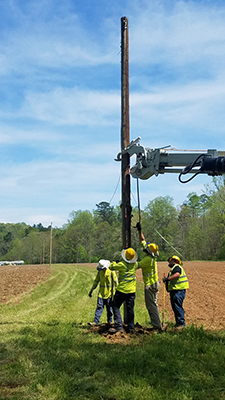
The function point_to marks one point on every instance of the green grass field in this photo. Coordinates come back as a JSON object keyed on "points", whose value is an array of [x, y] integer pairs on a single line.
{"points": [[47, 354]]}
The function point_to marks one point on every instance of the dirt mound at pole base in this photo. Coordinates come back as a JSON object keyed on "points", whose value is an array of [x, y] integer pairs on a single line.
{"points": [[120, 337]]}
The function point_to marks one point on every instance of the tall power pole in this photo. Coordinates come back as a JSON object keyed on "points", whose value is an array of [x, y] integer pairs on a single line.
{"points": [[125, 135], [125, 140]]}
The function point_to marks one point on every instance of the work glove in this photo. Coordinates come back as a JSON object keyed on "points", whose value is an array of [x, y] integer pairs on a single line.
{"points": [[138, 226], [90, 293], [165, 279]]}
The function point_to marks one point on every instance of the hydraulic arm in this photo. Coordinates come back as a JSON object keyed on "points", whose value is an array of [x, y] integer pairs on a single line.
{"points": [[157, 161]]}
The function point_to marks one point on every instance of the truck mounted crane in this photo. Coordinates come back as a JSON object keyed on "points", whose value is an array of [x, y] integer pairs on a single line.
{"points": [[162, 160]]}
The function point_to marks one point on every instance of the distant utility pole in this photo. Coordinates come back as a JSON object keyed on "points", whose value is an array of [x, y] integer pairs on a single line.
{"points": [[50, 255], [125, 135]]}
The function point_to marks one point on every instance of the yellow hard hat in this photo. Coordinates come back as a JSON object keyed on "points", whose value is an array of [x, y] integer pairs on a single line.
{"points": [[129, 255], [176, 258], [153, 247]]}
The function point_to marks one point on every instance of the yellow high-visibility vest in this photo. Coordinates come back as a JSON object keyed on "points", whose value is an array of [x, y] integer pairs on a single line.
{"points": [[149, 270], [127, 276], [179, 283], [107, 281]]}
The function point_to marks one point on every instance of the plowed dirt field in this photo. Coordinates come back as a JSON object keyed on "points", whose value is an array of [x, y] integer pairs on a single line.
{"points": [[16, 280], [204, 303]]}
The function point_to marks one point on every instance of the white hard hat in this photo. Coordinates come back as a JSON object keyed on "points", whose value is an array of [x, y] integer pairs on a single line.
{"points": [[103, 264]]}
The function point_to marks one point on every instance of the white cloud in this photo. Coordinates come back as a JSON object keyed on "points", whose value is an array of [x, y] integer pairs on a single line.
{"points": [[10, 134], [183, 33], [73, 106], [54, 39], [62, 180], [33, 215]]}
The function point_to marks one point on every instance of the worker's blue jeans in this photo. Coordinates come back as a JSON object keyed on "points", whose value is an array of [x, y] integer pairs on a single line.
{"points": [[99, 309], [118, 300], [176, 298]]}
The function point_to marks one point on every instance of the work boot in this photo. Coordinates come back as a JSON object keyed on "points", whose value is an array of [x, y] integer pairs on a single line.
{"points": [[114, 330], [92, 323], [164, 328], [153, 329], [179, 327]]}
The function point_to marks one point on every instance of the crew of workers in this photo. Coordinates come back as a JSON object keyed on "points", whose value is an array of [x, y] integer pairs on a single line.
{"points": [[113, 291]]}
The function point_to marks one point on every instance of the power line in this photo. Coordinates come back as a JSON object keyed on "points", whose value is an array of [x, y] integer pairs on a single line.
{"points": [[115, 190]]}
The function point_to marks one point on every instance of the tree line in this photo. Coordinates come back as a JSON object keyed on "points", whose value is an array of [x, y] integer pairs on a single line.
{"points": [[196, 229]]}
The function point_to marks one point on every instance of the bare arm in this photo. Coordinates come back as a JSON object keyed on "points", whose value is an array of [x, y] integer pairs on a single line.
{"points": [[141, 236], [175, 276]]}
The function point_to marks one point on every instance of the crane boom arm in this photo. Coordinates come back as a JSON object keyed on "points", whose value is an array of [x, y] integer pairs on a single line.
{"points": [[157, 161]]}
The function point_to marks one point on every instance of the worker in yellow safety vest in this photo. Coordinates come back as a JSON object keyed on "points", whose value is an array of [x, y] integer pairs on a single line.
{"points": [[176, 284], [126, 289], [107, 281], [150, 277]]}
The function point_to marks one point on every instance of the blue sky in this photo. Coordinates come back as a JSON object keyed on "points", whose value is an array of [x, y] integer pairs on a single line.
{"points": [[60, 91]]}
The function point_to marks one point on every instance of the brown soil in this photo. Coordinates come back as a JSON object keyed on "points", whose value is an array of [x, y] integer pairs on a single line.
{"points": [[204, 303], [16, 280]]}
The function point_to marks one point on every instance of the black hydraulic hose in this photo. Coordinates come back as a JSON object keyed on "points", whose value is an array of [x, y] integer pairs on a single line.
{"points": [[187, 169], [188, 180]]}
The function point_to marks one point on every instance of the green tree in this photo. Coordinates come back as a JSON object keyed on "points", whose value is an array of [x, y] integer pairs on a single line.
{"points": [[58, 248], [194, 250], [80, 231], [104, 212], [81, 254], [215, 217], [197, 205], [32, 248], [160, 215], [16, 250], [221, 252], [9, 232]]}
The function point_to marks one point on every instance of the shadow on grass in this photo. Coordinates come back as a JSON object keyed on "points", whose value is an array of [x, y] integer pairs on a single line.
{"points": [[65, 363]]}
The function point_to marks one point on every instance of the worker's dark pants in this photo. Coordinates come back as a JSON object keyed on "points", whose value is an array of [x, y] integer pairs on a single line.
{"points": [[176, 298], [118, 300], [99, 309]]}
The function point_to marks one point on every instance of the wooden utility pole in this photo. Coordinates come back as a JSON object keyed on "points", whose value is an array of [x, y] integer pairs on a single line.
{"points": [[50, 255], [125, 140], [125, 135]]}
